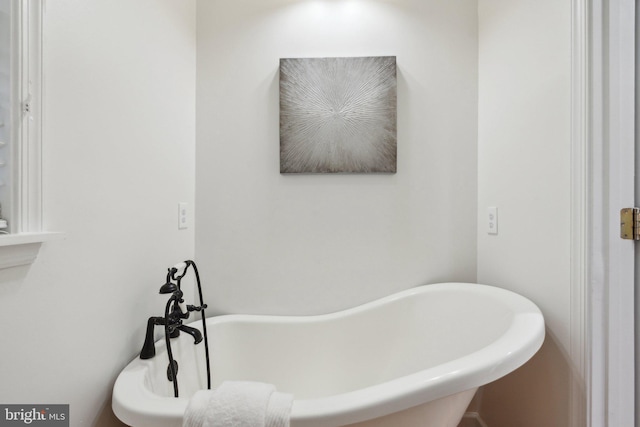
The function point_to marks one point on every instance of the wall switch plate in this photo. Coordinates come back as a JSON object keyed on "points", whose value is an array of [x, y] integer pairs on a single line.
{"points": [[492, 220], [183, 215]]}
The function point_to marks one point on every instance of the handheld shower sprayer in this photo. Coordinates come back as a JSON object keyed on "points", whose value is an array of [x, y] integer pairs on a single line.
{"points": [[179, 267]]}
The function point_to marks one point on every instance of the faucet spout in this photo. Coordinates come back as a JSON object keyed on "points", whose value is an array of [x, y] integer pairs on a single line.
{"points": [[196, 334]]}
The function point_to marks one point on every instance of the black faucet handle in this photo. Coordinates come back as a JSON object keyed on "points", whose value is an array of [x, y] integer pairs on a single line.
{"points": [[196, 308]]}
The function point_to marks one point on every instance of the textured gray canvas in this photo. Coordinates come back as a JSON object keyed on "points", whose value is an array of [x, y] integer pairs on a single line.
{"points": [[338, 115]]}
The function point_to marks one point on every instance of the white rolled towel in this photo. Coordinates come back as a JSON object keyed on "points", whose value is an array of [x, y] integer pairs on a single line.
{"points": [[239, 404]]}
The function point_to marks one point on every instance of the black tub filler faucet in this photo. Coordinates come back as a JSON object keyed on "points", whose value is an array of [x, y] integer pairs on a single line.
{"points": [[172, 321]]}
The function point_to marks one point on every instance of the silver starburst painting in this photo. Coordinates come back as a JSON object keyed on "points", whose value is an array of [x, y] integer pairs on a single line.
{"points": [[338, 115]]}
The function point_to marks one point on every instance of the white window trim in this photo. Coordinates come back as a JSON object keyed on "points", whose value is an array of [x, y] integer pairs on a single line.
{"points": [[21, 246], [26, 185]]}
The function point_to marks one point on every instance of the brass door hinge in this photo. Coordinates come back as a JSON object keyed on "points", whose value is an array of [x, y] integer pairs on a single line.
{"points": [[630, 223]]}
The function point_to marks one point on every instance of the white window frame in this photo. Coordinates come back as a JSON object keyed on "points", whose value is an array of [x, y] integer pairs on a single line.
{"points": [[21, 245], [26, 135]]}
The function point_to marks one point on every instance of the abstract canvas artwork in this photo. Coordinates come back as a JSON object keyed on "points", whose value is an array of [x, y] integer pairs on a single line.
{"points": [[338, 115]]}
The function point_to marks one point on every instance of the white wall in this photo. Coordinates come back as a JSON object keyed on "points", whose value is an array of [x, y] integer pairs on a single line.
{"points": [[119, 147], [523, 169], [274, 243]]}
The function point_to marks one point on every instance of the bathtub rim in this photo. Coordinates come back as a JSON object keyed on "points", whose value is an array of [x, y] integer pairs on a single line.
{"points": [[512, 349]]}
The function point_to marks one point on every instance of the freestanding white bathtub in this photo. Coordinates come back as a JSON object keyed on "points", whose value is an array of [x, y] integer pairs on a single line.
{"points": [[414, 358]]}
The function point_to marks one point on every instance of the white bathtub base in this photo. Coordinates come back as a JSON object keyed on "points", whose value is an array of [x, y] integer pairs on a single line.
{"points": [[444, 412]]}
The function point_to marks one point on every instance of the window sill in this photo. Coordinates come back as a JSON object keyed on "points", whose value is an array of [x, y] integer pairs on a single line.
{"points": [[22, 249]]}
